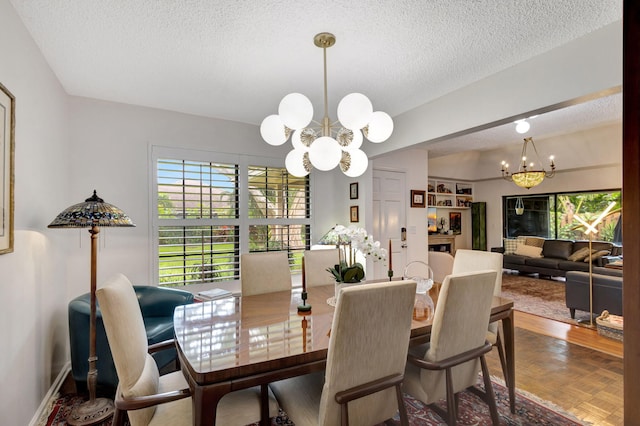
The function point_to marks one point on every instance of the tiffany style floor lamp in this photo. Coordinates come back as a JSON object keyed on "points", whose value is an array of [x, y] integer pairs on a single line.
{"points": [[93, 214]]}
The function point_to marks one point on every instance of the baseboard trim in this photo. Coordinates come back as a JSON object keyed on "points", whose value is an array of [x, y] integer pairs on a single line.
{"points": [[41, 415]]}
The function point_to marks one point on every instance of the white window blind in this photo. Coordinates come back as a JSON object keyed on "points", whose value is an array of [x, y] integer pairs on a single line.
{"points": [[201, 218]]}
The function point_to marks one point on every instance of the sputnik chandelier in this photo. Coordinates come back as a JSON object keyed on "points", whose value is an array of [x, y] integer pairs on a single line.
{"points": [[326, 145], [526, 176]]}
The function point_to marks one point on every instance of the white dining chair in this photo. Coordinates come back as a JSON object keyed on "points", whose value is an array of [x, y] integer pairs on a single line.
{"points": [[147, 397], [441, 264], [450, 362], [475, 260], [316, 263], [366, 358], [264, 272]]}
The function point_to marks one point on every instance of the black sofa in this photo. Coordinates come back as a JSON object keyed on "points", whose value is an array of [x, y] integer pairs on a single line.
{"points": [[607, 292], [555, 258]]}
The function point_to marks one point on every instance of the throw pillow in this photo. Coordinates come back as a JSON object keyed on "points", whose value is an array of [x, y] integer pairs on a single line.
{"points": [[579, 255], [534, 241], [510, 245], [529, 251], [597, 255]]}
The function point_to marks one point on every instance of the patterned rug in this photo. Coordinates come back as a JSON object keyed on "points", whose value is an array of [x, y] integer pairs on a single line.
{"points": [[473, 411], [539, 296]]}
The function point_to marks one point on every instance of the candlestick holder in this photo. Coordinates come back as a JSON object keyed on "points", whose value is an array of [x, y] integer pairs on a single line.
{"points": [[304, 307]]}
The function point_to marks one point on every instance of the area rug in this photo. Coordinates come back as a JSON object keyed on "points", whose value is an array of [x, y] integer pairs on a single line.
{"points": [[539, 296], [473, 411]]}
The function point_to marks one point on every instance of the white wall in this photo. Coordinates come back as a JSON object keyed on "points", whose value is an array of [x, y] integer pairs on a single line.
{"points": [[33, 279]]}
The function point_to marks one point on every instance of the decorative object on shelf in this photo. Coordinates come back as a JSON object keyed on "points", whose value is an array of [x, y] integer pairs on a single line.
{"points": [[324, 146], [350, 241], [93, 213], [590, 230], [526, 176], [441, 223], [418, 198], [353, 191], [455, 223], [354, 214], [7, 164], [519, 206]]}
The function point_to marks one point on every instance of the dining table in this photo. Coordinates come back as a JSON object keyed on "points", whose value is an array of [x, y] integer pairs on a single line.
{"points": [[239, 342]]}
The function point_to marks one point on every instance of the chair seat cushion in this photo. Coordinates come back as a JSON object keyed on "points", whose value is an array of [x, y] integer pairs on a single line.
{"points": [[237, 408], [300, 397]]}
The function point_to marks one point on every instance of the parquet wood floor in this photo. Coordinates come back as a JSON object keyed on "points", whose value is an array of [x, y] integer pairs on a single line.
{"points": [[577, 369]]}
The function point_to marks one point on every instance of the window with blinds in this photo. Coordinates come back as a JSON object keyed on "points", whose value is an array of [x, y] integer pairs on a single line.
{"points": [[202, 221]]}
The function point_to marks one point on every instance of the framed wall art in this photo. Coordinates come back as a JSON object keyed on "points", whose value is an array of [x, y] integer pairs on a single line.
{"points": [[7, 150], [418, 198], [354, 215], [455, 222], [353, 191]]}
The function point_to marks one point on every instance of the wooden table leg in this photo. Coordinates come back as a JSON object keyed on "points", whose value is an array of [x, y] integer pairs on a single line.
{"points": [[509, 348], [205, 402]]}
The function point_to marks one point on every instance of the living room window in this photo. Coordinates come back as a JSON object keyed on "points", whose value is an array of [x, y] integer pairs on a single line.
{"points": [[208, 212], [553, 215]]}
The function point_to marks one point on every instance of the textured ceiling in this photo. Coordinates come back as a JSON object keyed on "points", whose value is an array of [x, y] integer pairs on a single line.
{"points": [[235, 59]]}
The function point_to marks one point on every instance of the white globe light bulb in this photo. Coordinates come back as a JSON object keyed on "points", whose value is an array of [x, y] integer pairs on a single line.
{"points": [[296, 141], [295, 110], [359, 163], [522, 126], [294, 162], [325, 153], [354, 111], [273, 131], [380, 127]]}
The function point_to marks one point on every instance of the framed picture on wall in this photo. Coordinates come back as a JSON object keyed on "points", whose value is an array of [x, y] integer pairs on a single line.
{"points": [[353, 191], [455, 222], [418, 198], [7, 150], [354, 215]]}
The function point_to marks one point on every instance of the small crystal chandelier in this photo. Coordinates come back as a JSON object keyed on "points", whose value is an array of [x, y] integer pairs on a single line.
{"points": [[328, 144], [526, 176]]}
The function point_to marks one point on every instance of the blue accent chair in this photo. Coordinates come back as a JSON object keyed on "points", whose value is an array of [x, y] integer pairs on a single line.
{"points": [[157, 305]]}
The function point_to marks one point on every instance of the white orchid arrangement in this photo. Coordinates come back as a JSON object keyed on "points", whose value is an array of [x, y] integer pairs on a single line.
{"points": [[360, 240], [351, 240]]}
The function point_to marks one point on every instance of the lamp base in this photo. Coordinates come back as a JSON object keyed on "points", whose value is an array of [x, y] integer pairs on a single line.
{"points": [[91, 412], [587, 323]]}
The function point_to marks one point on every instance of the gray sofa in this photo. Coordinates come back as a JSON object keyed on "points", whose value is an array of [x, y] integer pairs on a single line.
{"points": [[555, 258], [607, 292]]}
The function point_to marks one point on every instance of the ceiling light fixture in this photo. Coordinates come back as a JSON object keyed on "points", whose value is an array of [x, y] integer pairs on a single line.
{"points": [[522, 126], [328, 144], [526, 176]]}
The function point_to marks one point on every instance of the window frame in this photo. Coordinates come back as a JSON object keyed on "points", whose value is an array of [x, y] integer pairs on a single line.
{"points": [[243, 222]]}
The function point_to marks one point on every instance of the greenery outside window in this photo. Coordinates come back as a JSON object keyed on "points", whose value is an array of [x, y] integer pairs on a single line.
{"points": [[203, 223], [553, 215]]}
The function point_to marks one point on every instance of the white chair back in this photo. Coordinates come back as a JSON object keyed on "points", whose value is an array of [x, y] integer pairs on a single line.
{"points": [[477, 260], [365, 347], [316, 263], [264, 272], [442, 265]]}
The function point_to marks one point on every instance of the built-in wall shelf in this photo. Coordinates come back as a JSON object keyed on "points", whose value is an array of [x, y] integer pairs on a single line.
{"points": [[449, 194]]}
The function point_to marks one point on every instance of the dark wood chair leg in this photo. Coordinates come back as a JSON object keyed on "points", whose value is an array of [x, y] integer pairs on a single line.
{"points": [[490, 397], [404, 420], [344, 414], [503, 360], [451, 403], [264, 405]]}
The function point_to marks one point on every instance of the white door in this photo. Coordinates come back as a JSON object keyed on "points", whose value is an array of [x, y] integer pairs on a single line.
{"points": [[389, 217]]}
